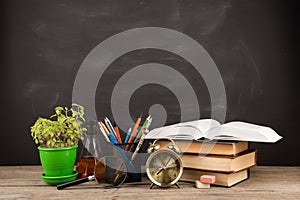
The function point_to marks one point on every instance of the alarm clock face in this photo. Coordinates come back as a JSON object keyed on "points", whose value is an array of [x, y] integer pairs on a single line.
{"points": [[164, 167]]}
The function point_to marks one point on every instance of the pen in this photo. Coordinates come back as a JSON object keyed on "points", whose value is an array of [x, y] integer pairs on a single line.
{"points": [[149, 123], [145, 132], [137, 123], [128, 134]]}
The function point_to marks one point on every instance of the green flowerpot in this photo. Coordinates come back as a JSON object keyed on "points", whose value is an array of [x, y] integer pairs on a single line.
{"points": [[58, 161]]}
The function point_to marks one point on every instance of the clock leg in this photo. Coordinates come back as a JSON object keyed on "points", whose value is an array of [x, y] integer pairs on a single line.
{"points": [[151, 186], [177, 185]]}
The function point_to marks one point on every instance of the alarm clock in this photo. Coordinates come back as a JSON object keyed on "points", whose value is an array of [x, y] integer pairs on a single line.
{"points": [[164, 166]]}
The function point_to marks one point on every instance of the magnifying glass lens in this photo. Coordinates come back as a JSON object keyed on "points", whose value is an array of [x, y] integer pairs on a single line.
{"points": [[114, 172]]}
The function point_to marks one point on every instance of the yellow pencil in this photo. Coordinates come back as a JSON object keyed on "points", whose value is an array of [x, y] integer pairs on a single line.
{"points": [[104, 127], [103, 132], [107, 125]]}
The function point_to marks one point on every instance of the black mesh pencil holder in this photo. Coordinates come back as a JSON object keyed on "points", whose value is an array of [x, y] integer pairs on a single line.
{"points": [[134, 170]]}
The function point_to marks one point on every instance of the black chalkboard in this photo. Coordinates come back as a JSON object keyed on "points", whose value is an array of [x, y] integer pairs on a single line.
{"points": [[253, 43]]}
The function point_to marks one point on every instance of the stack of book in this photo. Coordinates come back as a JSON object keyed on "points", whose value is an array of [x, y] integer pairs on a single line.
{"points": [[228, 161], [215, 149]]}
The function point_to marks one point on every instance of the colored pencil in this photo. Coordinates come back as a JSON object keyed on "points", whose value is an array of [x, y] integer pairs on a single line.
{"points": [[103, 132], [137, 123], [116, 128]]}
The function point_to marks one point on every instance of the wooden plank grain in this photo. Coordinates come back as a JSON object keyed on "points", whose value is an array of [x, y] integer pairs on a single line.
{"points": [[24, 182]]}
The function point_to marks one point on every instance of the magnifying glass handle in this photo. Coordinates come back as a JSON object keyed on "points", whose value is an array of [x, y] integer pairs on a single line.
{"points": [[76, 182]]}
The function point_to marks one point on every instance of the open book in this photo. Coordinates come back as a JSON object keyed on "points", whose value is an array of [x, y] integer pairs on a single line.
{"points": [[213, 130]]}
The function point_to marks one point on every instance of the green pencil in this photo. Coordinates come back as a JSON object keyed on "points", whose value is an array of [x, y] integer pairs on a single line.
{"points": [[142, 129]]}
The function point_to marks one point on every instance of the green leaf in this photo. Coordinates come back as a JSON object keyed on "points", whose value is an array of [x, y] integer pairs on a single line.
{"points": [[64, 129]]}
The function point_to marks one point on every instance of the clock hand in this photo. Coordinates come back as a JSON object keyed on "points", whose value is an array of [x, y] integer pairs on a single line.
{"points": [[161, 161], [166, 167], [167, 162], [172, 166], [162, 169]]}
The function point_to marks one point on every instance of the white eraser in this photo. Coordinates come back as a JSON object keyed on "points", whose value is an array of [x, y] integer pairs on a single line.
{"points": [[200, 185]]}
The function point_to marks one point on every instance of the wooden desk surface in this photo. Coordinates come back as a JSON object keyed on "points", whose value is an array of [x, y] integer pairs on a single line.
{"points": [[24, 182]]}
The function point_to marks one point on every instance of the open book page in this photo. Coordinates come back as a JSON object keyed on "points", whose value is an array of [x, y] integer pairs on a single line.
{"points": [[243, 131], [185, 131]]}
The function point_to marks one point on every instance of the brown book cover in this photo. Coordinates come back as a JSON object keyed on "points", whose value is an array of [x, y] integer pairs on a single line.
{"points": [[220, 163], [222, 179], [206, 147]]}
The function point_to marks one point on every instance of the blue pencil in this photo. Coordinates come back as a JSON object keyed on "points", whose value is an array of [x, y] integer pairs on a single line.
{"points": [[128, 135], [111, 127]]}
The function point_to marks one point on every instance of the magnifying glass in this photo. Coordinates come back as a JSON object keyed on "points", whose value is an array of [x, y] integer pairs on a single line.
{"points": [[109, 169]]}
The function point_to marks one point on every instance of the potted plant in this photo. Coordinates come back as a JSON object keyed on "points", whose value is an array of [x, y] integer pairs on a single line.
{"points": [[58, 138]]}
